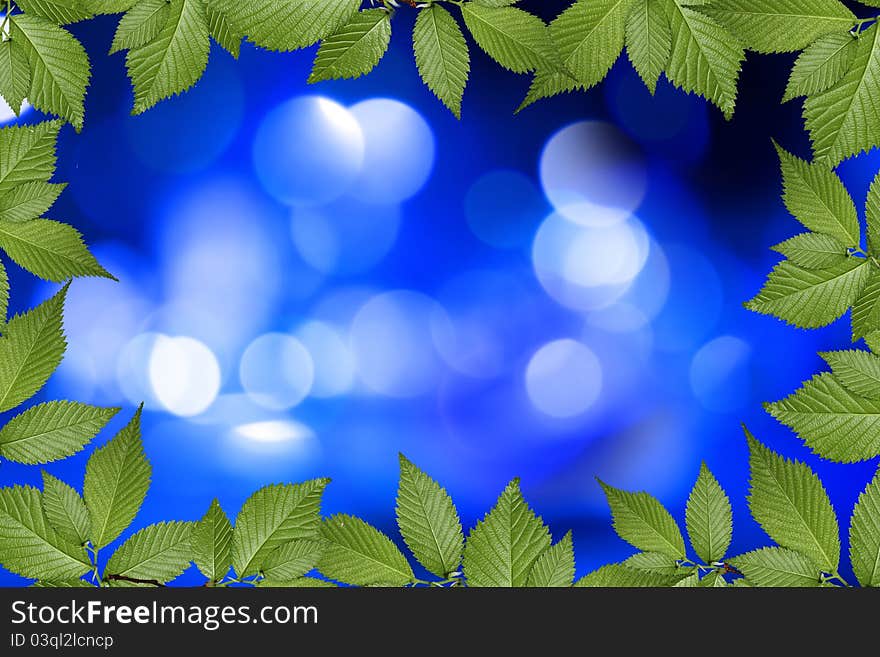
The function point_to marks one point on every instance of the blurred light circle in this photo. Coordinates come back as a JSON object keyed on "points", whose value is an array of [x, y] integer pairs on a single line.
{"points": [[563, 379], [184, 375], [392, 341], [133, 370], [277, 371], [346, 236], [593, 162], [719, 374], [398, 151], [6, 113], [332, 358], [620, 317], [650, 289], [308, 150], [175, 137], [274, 431], [503, 207], [588, 267]]}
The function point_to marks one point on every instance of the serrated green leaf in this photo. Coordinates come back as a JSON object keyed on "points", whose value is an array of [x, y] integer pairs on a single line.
{"points": [[29, 546], [117, 479], [833, 422], [864, 535], [813, 251], [299, 582], [517, 40], [810, 298], [709, 518], [555, 567], [858, 371], [100, 7], [872, 214], [27, 153], [428, 521], [590, 37], [617, 575], [656, 562], [442, 56], [62, 12], [648, 40], [4, 297], [51, 431], [774, 566], [158, 552], [223, 32], [15, 74], [211, 543], [644, 523], [140, 24], [790, 503], [844, 119], [705, 57], [292, 560], [287, 24], [59, 67], [713, 580], [31, 349], [547, 84], [866, 309], [689, 582], [355, 49], [780, 25], [495, 3], [816, 197], [65, 510], [872, 339], [50, 250], [504, 545], [359, 554], [29, 200], [821, 65], [62, 584], [175, 60], [272, 516]]}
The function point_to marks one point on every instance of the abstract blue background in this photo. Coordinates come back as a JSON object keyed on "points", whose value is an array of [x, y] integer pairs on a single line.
{"points": [[313, 279]]}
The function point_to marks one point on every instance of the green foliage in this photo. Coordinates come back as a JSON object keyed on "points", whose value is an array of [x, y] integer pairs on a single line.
{"points": [[709, 518], [66, 511], [512, 37], [821, 65], [159, 552], [644, 523], [211, 543], [140, 24], [355, 49], [775, 566], [442, 56], [648, 40], [555, 567], [864, 535], [357, 553]]}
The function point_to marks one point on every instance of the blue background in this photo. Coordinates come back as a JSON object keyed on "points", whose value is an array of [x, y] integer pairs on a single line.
{"points": [[432, 308]]}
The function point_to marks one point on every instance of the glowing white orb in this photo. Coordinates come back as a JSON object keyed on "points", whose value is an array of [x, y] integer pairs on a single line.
{"points": [[563, 379], [184, 375], [277, 371], [274, 431], [332, 358]]}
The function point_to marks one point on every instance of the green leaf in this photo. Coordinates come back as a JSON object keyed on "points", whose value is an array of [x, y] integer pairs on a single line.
{"points": [[617, 575], [821, 65], [30, 350], [774, 566], [866, 309], [117, 479], [4, 297], [780, 25], [833, 422], [547, 84], [864, 535], [65, 510], [272, 516], [816, 197], [108, 6], [810, 298], [140, 24], [15, 74], [705, 57], [292, 560], [714, 580], [175, 60], [813, 251], [648, 40], [690, 582], [57, 11], [51, 431], [789, 502], [858, 371], [641, 521], [872, 212], [49, 249], [27, 153], [359, 554], [299, 582], [428, 521], [555, 567], [223, 32], [287, 24], [59, 67], [844, 119], [355, 49], [656, 562], [504, 546], [872, 339], [158, 552], [29, 200], [512, 37], [211, 541], [29, 546], [442, 56], [590, 37], [709, 518]]}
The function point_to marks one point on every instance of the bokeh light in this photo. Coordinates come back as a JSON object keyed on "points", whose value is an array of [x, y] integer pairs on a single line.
{"points": [[503, 208], [332, 359], [719, 374], [184, 375], [277, 371], [563, 378]]}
